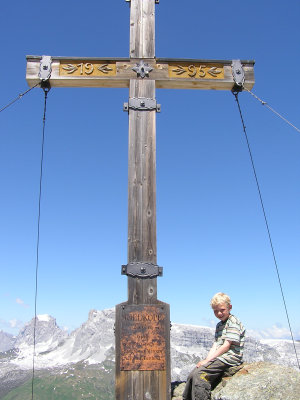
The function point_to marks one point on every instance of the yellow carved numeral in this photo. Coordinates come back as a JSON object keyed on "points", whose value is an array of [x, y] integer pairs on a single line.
{"points": [[202, 73], [192, 71], [86, 68], [81, 68], [89, 68]]}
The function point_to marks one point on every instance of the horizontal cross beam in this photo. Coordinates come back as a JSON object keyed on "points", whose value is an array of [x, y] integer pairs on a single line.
{"points": [[117, 72]]}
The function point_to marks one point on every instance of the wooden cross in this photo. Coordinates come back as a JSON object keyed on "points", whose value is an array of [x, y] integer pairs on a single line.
{"points": [[143, 322]]}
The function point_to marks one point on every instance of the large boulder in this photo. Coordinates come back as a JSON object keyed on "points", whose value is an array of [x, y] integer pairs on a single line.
{"points": [[257, 381]]}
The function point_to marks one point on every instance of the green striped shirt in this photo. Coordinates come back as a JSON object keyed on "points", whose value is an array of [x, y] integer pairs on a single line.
{"points": [[232, 329]]}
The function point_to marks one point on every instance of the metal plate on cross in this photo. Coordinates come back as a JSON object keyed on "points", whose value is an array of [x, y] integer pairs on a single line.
{"points": [[143, 344]]}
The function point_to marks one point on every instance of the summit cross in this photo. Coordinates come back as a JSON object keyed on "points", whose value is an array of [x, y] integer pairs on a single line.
{"points": [[142, 328]]}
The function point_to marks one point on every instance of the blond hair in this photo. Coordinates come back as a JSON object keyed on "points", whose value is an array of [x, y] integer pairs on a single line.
{"points": [[220, 298]]}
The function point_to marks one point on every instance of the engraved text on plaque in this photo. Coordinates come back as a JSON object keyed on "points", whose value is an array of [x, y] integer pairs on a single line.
{"points": [[143, 344]]}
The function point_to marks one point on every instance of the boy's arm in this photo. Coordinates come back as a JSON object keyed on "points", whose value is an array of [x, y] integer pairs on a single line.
{"points": [[215, 352]]}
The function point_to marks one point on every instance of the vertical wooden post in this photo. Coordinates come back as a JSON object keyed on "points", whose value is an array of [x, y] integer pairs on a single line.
{"points": [[142, 192], [143, 322]]}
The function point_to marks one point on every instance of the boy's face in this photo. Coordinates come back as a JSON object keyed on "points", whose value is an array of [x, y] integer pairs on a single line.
{"points": [[222, 311]]}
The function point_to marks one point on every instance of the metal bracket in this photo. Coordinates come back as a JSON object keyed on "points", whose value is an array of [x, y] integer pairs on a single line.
{"points": [[142, 69], [141, 104], [45, 68], [238, 75], [142, 270], [156, 1]]}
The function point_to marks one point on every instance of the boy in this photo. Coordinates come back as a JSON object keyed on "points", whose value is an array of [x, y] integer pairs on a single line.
{"points": [[227, 351]]}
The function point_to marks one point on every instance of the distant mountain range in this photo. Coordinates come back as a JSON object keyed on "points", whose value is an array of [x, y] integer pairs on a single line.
{"points": [[89, 352]]}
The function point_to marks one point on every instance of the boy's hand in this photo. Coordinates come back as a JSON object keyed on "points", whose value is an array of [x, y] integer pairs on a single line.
{"points": [[200, 363]]}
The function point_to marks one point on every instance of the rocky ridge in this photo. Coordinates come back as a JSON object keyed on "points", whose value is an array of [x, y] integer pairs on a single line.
{"points": [[263, 381]]}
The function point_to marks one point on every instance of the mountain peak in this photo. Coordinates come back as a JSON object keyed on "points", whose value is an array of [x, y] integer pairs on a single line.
{"points": [[46, 331]]}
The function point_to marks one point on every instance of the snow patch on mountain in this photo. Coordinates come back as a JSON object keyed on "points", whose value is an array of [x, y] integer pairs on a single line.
{"points": [[44, 318]]}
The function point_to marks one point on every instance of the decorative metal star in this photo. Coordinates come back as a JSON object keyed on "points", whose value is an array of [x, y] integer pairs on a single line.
{"points": [[142, 69]]}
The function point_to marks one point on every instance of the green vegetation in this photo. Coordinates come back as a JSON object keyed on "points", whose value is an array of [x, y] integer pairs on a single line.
{"points": [[78, 381]]}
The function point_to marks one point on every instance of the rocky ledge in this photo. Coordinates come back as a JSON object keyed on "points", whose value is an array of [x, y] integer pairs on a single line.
{"points": [[257, 381]]}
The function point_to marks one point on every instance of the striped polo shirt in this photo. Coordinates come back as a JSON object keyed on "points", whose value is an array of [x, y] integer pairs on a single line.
{"points": [[232, 329]]}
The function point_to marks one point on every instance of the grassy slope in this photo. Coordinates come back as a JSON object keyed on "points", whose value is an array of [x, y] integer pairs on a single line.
{"points": [[79, 381]]}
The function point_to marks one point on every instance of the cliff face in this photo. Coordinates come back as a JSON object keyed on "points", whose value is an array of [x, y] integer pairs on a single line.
{"points": [[257, 381], [48, 334], [7, 341]]}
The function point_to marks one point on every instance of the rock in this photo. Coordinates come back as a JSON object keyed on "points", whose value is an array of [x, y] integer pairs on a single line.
{"points": [[177, 390], [257, 381], [263, 381], [7, 341], [47, 336]]}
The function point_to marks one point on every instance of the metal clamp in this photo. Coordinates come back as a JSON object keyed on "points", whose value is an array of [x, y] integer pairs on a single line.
{"points": [[141, 104], [156, 1], [238, 75], [45, 68], [141, 270], [45, 72]]}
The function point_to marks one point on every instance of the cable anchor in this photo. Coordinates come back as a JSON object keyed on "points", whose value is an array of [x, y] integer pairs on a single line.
{"points": [[238, 76], [45, 72]]}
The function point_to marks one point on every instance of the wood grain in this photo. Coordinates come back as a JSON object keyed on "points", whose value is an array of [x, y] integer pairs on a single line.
{"points": [[142, 29], [124, 73]]}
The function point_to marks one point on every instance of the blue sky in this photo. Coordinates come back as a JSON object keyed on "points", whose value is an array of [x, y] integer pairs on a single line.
{"points": [[211, 234]]}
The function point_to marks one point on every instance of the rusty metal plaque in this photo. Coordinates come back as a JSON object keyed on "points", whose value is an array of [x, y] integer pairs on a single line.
{"points": [[143, 342]]}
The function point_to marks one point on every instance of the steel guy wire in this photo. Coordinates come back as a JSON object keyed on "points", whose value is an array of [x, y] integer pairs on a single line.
{"points": [[272, 109], [19, 97], [235, 93], [46, 90]]}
